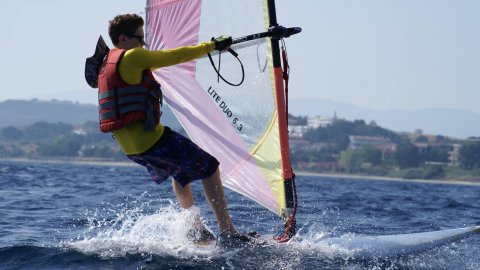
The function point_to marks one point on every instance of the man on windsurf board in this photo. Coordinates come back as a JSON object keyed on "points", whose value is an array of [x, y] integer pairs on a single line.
{"points": [[129, 107]]}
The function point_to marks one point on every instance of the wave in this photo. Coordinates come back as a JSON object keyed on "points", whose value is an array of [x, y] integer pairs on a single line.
{"points": [[37, 257]]}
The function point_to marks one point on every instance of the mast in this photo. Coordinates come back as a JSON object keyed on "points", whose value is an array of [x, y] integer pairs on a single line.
{"points": [[282, 123]]}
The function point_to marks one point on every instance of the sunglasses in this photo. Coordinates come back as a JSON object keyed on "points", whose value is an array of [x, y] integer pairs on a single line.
{"points": [[140, 38]]}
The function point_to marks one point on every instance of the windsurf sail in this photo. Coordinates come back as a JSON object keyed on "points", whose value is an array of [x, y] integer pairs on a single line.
{"points": [[244, 127]]}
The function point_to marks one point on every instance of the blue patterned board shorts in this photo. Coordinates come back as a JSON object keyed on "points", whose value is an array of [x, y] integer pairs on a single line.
{"points": [[177, 156]]}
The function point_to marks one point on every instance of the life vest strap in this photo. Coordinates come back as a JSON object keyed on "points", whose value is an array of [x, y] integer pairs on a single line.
{"points": [[122, 110], [130, 90], [112, 104]]}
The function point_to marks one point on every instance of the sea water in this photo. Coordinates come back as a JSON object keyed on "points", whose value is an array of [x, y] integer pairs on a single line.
{"points": [[56, 215]]}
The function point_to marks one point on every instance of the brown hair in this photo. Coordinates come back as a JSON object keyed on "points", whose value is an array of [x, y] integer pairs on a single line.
{"points": [[124, 24]]}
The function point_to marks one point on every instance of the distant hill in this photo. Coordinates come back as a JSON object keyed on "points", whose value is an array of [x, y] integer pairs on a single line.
{"points": [[436, 121], [27, 112], [448, 122]]}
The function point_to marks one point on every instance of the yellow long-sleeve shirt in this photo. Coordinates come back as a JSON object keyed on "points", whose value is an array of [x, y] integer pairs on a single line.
{"points": [[133, 139]]}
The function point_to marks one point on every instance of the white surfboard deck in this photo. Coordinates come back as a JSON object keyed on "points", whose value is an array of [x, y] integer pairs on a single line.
{"points": [[383, 245]]}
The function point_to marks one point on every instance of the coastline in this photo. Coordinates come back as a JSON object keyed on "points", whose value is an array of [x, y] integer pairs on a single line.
{"points": [[386, 178], [109, 162], [82, 161]]}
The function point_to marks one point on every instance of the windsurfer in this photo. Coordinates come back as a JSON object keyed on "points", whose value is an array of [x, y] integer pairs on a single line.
{"points": [[162, 151]]}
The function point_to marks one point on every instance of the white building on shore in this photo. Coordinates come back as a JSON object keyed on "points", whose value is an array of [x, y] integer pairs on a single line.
{"points": [[319, 121], [313, 122]]}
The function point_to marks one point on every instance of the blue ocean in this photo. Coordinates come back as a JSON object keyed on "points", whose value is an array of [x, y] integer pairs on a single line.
{"points": [[56, 215]]}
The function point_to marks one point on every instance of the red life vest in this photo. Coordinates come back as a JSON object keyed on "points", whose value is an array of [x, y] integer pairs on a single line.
{"points": [[120, 103]]}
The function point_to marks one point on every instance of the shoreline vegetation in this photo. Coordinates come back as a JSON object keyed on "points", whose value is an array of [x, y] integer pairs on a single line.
{"points": [[109, 162], [339, 148]]}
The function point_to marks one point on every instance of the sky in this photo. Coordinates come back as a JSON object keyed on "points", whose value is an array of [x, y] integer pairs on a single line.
{"points": [[374, 54]]}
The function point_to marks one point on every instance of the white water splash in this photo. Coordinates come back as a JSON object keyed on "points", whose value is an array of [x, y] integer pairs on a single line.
{"points": [[310, 240], [132, 232]]}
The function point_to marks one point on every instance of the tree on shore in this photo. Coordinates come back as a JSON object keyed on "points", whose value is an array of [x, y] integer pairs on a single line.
{"points": [[469, 155], [66, 146], [356, 160], [42, 130], [11, 133], [350, 161], [407, 155]]}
